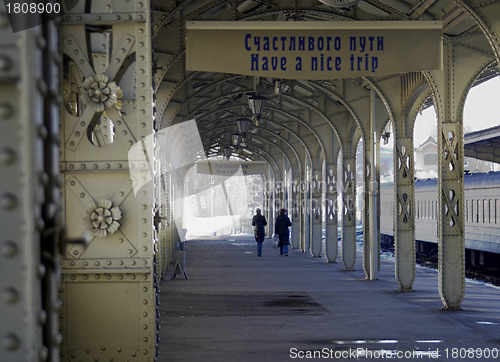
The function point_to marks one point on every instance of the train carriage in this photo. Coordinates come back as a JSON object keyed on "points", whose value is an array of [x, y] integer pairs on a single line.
{"points": [[481, 214]]}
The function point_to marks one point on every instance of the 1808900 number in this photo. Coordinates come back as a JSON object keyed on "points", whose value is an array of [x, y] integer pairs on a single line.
{"points": [[33, 8], [471, 353]]}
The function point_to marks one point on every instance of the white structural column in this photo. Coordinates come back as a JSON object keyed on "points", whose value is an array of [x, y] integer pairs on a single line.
{"points": [[316, 214], [272, 207], [280, 193], [450, 186], [451, 220], [365, 207], [331, 234], [304, 208], [24, 184], [108, 192], [294, 214], [265, 208], [349, 211], [404, 219], [450, 88], [372, 206], [371, 184]]}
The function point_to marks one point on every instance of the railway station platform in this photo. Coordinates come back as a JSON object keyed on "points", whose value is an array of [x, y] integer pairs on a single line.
{"points": [[236, 306]]}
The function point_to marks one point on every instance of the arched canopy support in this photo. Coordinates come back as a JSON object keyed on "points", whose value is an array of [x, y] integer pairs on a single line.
{"points": [[399, 94], [450, 87]]}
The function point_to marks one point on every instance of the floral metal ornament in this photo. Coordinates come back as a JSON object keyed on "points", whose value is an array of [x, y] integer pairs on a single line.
{"points": [[101, 218], [100, 93]]}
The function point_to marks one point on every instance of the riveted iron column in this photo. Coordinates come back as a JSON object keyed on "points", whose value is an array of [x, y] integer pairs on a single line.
{"points": [[450, 192], [349, 212], [450, 88], [305, 212], [294, 214], [450, 221], [268, 206], [29, 194], [404, 219], [365, 207], [331, 233], [276, 204], [371, 207], [53, 238], [279, 200], [108, 287], [316, 214]]}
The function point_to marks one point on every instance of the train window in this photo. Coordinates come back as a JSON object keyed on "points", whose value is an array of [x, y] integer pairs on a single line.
{"points": [[471, 211], [486, 214], [497, 212], [466, 210]]}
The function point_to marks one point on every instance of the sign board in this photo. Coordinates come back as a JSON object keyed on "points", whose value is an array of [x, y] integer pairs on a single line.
{"points": [[229, 168], [314, 49]]}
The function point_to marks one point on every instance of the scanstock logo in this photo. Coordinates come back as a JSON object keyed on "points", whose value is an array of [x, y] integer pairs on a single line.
{"points": [[26, 14], [179, 148]]}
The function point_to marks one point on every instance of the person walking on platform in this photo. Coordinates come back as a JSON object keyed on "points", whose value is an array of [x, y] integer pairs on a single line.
{"points": [[281, 229], [258, 223]]}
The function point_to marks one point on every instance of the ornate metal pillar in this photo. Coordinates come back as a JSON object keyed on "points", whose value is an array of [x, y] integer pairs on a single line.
{"points": [[349, 211], [279, 200], [108, 288], [404, 219], [268, 207], [331, 233], [365, 211], [371, 207], [30, 199], [450, 89], [294, 214], [305, 212], [316, 214], [450, 188], [450, 218]]}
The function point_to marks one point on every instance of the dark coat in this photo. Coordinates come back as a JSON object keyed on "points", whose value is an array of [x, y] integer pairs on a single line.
{"points": [[281, 228], [258, 223]]}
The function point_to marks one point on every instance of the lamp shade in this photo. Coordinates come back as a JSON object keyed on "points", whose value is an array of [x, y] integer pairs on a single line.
{"points": [[235, 139], [256, 104], [243, 125], [228, 151]]}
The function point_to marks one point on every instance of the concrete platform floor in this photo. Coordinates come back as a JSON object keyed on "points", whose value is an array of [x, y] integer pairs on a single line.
{"points": [[236, 306]]}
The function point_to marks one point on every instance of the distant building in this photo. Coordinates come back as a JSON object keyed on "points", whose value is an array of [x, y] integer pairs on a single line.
{"points": [[426, 161]]}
